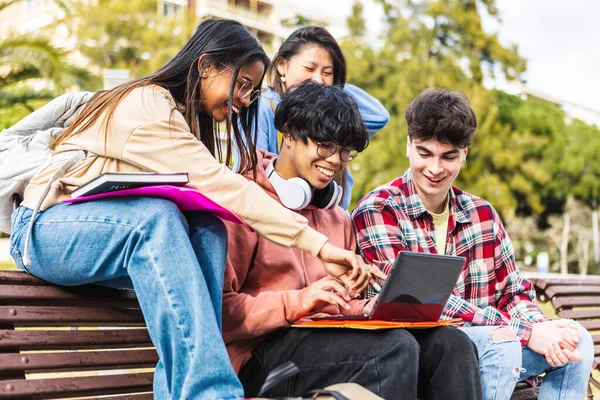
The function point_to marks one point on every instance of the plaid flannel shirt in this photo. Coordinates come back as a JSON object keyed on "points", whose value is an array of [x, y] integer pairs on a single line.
{"points": [[489, 290]]}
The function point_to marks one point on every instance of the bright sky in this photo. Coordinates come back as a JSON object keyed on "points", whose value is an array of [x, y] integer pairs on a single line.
{"points": [[559, 38]]}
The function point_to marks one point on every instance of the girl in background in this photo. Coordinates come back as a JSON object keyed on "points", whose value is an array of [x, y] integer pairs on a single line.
{"points": [[312, 53]]}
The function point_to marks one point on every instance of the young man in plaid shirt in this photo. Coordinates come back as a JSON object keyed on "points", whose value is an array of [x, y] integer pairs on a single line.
{"points": [[422, 211]]}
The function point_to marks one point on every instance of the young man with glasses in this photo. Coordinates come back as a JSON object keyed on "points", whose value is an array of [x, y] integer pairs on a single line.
{"points": [[268, 287], [422, 211]]}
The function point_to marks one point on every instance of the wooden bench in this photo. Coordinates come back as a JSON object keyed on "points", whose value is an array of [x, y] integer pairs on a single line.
{"points": [[95, 334], [99, 332], [575, 298]]}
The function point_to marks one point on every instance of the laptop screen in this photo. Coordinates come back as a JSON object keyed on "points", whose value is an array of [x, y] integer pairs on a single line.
{"points": [[418, 287]]}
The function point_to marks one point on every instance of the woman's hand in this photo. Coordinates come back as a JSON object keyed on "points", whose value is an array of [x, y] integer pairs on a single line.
{"points": [[326, 290], [348, 267]]}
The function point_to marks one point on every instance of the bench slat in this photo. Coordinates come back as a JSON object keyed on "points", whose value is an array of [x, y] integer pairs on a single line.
{"points": [[20, 278], [579, 314], [17, 294], [545, 283], [143, 396], [591, 325], [575, 301], [570, 290], [20, 314], [121, 359], [95, 339], [78, 386]]}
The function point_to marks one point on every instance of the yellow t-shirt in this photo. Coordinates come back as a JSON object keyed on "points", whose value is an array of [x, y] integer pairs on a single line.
{"points": [[440, 222]]}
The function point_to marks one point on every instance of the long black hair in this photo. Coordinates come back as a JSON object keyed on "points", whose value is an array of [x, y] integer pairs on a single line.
{"points": [[218, 43], [308, 35]]}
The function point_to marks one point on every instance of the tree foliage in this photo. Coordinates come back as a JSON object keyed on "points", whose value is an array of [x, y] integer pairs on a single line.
{"points": [[26, 59], [127, 35], [33, 71], [528, 158]]}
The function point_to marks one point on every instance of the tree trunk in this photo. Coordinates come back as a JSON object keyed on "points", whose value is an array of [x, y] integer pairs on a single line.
{"points": [[584, 260], [564, 243]]}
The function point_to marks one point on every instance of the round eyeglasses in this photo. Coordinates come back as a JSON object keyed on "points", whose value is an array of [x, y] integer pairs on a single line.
{"points": [[247, 90], [326, 149]]}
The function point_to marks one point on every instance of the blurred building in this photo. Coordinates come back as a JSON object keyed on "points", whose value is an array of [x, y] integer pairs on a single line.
{"points": [[572, 110], [271, 21], [34, 16]]}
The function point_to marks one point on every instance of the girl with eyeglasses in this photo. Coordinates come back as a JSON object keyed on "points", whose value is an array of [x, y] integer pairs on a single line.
{"points": [[166, 122], [312, 53]]}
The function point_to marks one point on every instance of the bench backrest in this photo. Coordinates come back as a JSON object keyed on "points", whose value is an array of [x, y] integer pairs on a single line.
{"points": [[575, 298], [97, 336], [94, 335]]}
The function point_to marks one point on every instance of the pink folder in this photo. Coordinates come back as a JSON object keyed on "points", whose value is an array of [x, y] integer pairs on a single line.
{"points": [[187, 199]]}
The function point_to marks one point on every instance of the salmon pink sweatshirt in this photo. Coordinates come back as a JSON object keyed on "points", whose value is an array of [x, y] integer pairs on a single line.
{"points": [[264, 281]]}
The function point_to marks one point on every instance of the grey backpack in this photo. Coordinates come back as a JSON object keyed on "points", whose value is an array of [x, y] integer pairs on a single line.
{"points": [[24, 151]]}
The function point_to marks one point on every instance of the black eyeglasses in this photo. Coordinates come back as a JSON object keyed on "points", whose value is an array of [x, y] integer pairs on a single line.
{"points": [[247, 89], [326, 149]]}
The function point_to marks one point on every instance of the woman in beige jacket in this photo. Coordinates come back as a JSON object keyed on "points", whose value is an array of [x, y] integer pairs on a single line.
{"points": [[166, 122]]}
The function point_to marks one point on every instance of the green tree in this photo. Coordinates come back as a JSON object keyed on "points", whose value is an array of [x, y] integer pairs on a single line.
{"points": [[27, 59], [571, 160], [431, 43], [127, 35]]}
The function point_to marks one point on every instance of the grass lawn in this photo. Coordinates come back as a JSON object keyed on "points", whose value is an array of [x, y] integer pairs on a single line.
{"points": [[7, 266]]}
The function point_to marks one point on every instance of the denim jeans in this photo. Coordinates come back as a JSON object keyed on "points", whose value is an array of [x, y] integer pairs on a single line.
{"points": [[395, 364], [175, 264], [502, 364]]}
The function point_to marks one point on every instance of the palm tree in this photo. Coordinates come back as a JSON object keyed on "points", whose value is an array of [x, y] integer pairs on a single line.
{"points": [[26, 58]]}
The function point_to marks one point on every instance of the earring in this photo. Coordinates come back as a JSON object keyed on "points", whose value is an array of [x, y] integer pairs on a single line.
{"points": [[204, 74], [282, 78]]}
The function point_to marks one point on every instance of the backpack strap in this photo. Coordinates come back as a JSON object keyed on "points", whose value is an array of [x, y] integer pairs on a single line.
{"points": [[278, 375], [316, 394], [79, 155]]}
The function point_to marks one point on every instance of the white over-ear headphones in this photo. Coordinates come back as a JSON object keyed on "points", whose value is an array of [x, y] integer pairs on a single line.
{"points": [[296, 193]]}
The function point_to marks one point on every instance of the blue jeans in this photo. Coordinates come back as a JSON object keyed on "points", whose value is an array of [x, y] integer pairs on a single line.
{"points": [[175, 264], [502, 364]]}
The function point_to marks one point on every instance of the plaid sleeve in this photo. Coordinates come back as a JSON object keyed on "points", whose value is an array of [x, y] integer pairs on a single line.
{"points": [[517, 296], [378, 232], [457, 307]]}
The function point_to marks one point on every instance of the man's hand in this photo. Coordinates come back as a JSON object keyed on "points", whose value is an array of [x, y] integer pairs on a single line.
{"points": [[555, 340], [558, 357], [326, 290], [346, 266]]}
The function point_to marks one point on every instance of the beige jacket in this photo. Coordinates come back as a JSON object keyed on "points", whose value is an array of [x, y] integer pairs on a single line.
{"points": [[148, 134]]}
